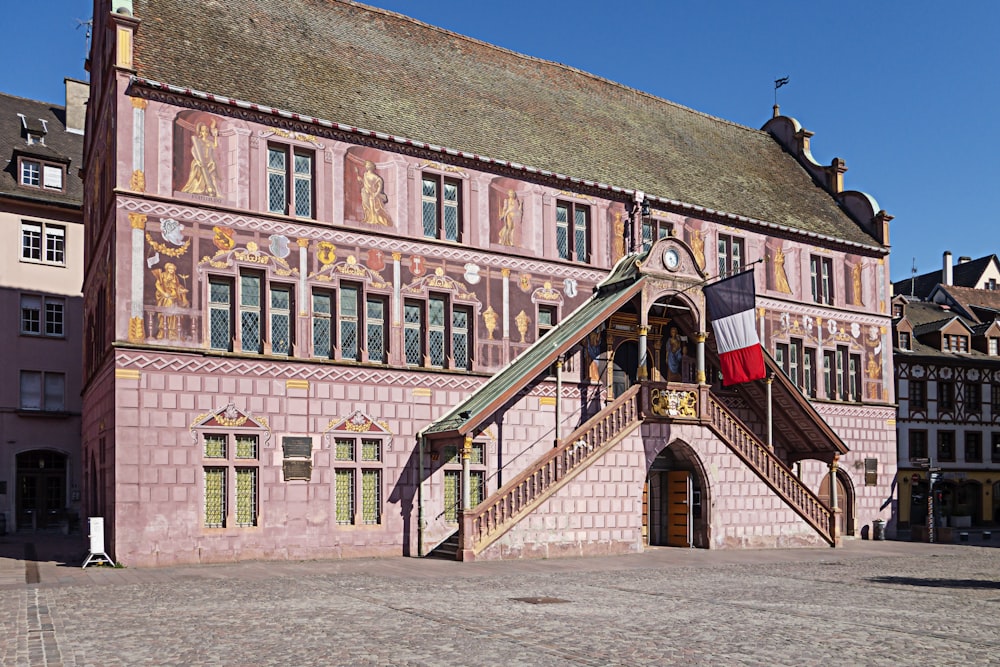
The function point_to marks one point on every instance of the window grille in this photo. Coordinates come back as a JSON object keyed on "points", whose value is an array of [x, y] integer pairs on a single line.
{"points": [[246, 496], [246, 446], [371, 450], [371, 496], [344, 479], [216, 445], [452, 495], [460, 337], [450, 211], [429, 207], [276, 177], [215, 497], [345, 449]]}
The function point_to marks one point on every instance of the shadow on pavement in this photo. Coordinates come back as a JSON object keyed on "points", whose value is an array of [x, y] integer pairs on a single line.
{"points": [[937, 583]]}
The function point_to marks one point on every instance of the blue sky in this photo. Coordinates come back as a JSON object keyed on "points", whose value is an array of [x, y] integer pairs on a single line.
{"points": [[905, 92]]}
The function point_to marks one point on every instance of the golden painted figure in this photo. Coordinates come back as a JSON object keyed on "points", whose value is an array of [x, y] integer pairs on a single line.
{"points": [[511, 210], [618, 240], [373, 197], [170, 293], [202, 174], [856, 281], [780, 277], [698, 247]]}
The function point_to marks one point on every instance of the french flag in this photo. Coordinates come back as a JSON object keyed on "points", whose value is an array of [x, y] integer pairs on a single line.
{"points": [[731, 308]]}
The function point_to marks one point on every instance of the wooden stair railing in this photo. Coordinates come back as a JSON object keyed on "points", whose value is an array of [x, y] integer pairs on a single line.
{"points": [[488, 521], [769, 468]]}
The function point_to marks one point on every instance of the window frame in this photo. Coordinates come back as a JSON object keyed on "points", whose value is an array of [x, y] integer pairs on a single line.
{"points": [[821, 279], [290, 180], [731, 252], [424, 332], [357, 465], [917, 444], [572, 228], [943, 455], [972, 447], [662, 228], [972, 398], [48, 244], [916, 397], [48, 401], [945, 396], [440, 205], [42, 169], [42, 321], [452, 466], [230, 462]]}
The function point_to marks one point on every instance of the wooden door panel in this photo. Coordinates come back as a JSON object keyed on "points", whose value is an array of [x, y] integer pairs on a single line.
{"points": [[679, 509]]}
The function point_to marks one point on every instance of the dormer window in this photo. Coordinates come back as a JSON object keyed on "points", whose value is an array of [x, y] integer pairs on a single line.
{"points": [[36, 174], [992, 347], [955, 343], [904, 340]]}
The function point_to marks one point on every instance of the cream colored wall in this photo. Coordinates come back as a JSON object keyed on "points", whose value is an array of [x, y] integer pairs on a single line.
{"points": [[39, 277]]}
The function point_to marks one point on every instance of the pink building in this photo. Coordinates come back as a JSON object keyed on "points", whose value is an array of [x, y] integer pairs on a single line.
{"points": [[41, 277], [362, 310]]}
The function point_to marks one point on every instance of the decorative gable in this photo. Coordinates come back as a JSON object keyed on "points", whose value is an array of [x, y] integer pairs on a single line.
{"points": [[230, 417]]}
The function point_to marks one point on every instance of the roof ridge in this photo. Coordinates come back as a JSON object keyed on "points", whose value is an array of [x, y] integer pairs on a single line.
{"points": [[564, 66], [32, 100]]}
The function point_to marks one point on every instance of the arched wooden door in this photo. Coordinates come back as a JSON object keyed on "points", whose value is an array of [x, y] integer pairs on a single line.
{"points": [[845, 501]]}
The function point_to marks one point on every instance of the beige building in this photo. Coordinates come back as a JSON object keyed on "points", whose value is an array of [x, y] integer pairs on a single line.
{"points": [[41, 278]]}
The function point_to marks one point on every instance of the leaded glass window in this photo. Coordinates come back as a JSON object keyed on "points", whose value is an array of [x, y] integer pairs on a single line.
{"points": [[277, 197], [452, 495], [345, 449], [371, 450], [440, 208], [215, 497], [215, 445], [349, 295], [450, 210], [371, 496], [562, 231], [460, 319], [546, 319], [303, 185], [429, 207], [476, 485], [581, 230], [281, 320], [412, 333], [322, 311], [344, 480], [246, 446], [436, 311], [246, 496], [376, 329], [219, 315], [250, 312], [460, 337]]}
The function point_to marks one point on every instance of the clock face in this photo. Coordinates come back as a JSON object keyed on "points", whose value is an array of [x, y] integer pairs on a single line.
{"points": [[671, 258]]}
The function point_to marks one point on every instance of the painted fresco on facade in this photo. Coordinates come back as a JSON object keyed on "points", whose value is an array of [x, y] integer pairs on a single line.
{"points": [[196, 149]]}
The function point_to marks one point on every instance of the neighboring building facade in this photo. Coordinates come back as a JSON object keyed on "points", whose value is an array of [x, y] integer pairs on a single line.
{"points": [[325, 339], [948, 376], [41, 278]]}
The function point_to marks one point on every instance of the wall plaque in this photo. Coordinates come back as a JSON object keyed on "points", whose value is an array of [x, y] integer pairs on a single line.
{"points": [[297, 469], [296, 446]]}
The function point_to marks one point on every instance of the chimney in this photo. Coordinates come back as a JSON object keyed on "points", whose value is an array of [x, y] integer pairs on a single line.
{"points": [[946, 268], [77, 93]]}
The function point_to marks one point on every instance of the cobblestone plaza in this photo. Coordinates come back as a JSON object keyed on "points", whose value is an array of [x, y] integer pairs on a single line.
{"points": [[870, 603]]}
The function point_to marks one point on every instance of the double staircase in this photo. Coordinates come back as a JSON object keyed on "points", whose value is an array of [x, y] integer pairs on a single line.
{"points": [[485, 524]]}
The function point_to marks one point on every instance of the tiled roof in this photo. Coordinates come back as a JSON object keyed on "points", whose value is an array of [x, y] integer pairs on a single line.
{"points": [[381, 71], [60, 146], [969, 297], [964, 274]]}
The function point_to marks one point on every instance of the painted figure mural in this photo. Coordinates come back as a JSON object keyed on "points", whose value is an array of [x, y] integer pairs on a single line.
{"points": [[675, 356], [202, 172], [511, 210], [170, 293], [373, 197], [856, 284], [698, 247], [780, 277]]}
